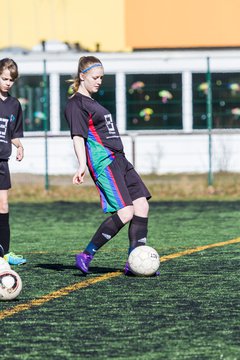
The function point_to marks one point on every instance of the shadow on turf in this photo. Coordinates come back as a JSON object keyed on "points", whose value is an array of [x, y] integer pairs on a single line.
{"points": [[61, 267]]}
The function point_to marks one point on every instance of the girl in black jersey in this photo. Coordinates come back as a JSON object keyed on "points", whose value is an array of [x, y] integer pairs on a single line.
{"points": [[97, 144], [10, 131]]}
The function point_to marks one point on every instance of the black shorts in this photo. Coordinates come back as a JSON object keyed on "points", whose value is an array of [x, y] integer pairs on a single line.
{"points": [[5, 181], [119, 185]]}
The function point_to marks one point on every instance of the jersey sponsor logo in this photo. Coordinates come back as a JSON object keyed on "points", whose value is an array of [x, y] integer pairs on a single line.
{"points": [[110, 124], [113, 136], [3, 127]]}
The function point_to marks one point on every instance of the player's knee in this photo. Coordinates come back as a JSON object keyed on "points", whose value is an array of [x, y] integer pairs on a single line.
{"points": [[141, 207], [126, 214], [3, 207]]}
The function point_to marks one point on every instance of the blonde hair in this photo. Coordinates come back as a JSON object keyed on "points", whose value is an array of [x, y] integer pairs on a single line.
{"points": [[10, 65], [83, 63]]}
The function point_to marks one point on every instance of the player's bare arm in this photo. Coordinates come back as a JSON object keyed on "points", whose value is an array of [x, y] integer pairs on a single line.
{"points": [[20, 150], [79, 148]]}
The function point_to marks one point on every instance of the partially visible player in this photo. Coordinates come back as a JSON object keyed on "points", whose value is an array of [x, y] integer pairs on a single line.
{"points": [[1, 251], [11, 129], [98, 145]]}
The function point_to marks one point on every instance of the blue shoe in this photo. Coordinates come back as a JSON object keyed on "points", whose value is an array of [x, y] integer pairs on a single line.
{"points": [[128, 272], [14, 259], [82, 262]]}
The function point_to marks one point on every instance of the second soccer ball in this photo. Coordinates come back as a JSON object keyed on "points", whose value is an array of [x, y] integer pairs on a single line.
{"points": [[10, 285]]}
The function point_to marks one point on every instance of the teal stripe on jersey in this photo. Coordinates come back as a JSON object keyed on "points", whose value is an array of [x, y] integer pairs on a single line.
{"points": [[99, 157], [111, 199]]}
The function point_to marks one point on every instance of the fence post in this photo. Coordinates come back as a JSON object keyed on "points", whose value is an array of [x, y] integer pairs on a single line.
{"points": [[133, 137], [209, 122], [45, 111]]}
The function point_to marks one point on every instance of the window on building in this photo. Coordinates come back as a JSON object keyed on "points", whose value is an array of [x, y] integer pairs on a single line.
{"points": [[154, 102], [105, 96], [225, 100], [29, 89]]}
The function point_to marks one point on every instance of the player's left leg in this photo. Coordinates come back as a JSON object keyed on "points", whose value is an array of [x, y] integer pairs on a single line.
{"points": [[10, 257], [138, 226], [4, 221], [138, 229]]}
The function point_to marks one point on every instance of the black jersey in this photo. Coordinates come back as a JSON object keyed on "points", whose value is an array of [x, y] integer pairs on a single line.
{"points": [[87, 118], [11, 125], [82, 110]]}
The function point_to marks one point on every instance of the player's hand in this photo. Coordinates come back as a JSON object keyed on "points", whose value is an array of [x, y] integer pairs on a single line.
{"points": [[78, 178], [20, 153]]}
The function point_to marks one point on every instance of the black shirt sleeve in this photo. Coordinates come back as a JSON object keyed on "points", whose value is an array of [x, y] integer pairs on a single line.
{"points": [[77, 118], [17, 125]]}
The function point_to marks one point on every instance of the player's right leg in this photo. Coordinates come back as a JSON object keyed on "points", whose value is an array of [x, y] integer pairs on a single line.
{"points": [[115, 199], [106, 231]]}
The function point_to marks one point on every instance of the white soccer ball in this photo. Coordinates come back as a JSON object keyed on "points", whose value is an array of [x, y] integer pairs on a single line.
{"points": [[10, 285], [4, 265], [144, 261]]}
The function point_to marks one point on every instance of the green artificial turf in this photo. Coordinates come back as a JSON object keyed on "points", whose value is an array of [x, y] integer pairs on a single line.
{"points": [[191, 311]]}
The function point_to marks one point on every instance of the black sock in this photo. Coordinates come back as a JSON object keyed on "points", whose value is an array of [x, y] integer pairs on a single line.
{"points": [[107, 230], [137, 232], [5, 232]]}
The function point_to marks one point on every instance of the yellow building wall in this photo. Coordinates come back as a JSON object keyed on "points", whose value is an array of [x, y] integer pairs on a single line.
{"points": [[26, 22], [182, 23], [120, 25]]}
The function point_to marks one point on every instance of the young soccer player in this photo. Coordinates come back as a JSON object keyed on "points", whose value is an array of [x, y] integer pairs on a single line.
{"points": [[10, 131], [97, 144]]}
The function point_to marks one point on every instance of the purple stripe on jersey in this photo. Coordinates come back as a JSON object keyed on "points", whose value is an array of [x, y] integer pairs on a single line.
{"points": [[116, 192], [102, 200], [104, 203]]}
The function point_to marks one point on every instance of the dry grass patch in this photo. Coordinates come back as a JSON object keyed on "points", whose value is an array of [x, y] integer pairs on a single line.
{"points": [[31, 188]]}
